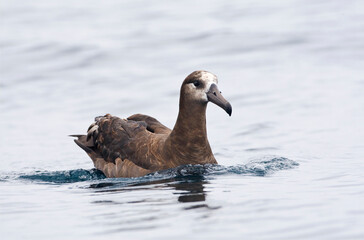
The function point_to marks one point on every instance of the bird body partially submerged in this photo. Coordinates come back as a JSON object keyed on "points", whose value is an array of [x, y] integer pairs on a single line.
{"points": [[140, 144]]}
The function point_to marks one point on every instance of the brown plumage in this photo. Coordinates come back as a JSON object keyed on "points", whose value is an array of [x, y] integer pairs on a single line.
{"points": [[140, 144]]}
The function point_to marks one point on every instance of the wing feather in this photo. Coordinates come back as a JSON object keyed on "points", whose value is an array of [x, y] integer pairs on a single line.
{"points": [[127, 139], [153, 125], [124, 146]]}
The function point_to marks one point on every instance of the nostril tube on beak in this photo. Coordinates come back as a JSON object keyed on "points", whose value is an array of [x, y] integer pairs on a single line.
{"points": [[214, 95]]}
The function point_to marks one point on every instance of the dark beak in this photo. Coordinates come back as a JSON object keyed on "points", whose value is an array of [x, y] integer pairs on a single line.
{"points": [[214, 95]]}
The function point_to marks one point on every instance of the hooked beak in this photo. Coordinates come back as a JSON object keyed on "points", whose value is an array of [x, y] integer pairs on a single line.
{"points": [[214, 95]]}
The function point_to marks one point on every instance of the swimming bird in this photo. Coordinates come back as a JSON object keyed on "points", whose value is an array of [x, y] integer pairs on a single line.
{"points": [[140, 144]]}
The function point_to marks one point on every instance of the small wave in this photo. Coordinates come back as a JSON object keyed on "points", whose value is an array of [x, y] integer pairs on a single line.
{"points": [[71, 176], [260, 167]]}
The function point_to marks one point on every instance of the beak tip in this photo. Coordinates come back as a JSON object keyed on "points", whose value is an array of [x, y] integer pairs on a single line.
{"points": [[229, 110]]}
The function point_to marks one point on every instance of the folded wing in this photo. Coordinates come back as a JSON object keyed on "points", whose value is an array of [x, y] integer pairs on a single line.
{"points": [[116, 144]]}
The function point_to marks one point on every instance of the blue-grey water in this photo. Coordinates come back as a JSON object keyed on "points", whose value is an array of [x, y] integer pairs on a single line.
{"points": [[291, 157]]}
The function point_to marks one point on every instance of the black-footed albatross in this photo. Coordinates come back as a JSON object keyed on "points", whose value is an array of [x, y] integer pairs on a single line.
{"points": [[140, 144]]}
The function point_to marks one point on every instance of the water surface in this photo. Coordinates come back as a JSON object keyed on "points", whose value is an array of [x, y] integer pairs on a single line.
{"points": [[290, 157]]}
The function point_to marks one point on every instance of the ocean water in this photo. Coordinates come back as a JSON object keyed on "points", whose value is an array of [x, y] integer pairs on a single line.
{"points": [[291, 157]]}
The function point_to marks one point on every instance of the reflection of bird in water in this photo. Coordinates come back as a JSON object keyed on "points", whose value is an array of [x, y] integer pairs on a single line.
{"points": [[192, 191], [140, 144], [188, 190]]}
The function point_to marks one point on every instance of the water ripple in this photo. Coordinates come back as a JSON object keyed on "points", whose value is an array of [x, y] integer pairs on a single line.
{"points": [[70, 176], [260, 167]]}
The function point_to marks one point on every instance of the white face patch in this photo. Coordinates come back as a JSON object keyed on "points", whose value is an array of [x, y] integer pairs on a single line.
{"points": [[207, 79]]}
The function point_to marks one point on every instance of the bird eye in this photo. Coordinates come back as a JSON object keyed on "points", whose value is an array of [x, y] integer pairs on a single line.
{"points": [[196, 83]]}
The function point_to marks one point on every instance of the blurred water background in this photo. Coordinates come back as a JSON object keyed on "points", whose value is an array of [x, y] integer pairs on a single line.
{"points": [[291, 156]]}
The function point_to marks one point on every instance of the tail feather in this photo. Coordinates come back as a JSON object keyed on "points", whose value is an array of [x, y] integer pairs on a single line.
{"points": [[107, 168], [75, 135], [79, 143]]}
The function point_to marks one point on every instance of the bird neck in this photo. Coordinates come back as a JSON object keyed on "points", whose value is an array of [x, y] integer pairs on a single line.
{"points": [[188, 139], [191, 123]]}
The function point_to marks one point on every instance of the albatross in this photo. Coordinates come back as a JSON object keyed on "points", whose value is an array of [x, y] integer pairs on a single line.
{"points": [[140, 144]]}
